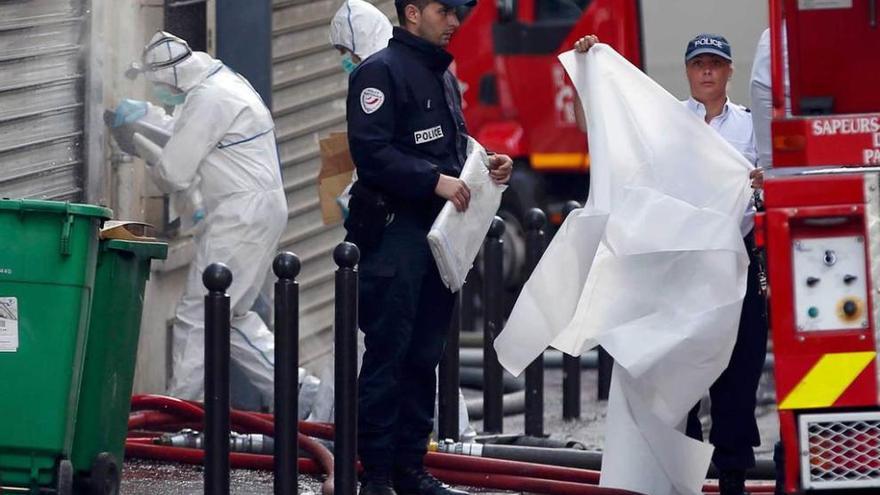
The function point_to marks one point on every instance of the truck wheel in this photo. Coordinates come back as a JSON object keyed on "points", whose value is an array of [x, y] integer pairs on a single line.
{"points": [[514, 250], [524, 192], [104, 478], [65, 478]]}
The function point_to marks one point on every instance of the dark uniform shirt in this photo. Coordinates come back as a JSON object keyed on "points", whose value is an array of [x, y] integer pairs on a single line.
{"points": [[405, 125]]}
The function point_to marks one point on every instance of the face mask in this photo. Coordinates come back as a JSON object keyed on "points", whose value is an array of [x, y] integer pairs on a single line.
{"points": [[167, 97], [348, 64]]}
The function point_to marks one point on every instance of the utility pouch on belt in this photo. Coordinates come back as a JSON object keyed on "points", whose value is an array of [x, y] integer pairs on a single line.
{"points": [[368, 214]]}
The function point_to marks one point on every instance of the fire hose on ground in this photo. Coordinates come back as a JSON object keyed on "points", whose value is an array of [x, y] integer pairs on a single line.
{"points": [[152, 415]]}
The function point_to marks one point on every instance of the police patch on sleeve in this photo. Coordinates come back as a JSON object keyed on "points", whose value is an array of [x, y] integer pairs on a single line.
{"points": [[371, 100]]}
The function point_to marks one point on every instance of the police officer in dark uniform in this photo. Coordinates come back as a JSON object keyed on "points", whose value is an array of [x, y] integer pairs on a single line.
{"points": [[408, 140]]}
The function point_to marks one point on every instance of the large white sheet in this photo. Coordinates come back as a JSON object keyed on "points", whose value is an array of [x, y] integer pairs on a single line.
{"points": [[653, 268]]}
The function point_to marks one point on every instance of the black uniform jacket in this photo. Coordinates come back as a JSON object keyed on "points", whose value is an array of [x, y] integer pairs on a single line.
{"points": [[405, 125]]}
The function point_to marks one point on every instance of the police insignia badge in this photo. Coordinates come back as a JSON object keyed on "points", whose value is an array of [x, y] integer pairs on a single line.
{"points": [[371, 100]]}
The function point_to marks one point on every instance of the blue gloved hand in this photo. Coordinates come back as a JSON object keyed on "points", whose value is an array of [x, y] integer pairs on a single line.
{"points": [[128, 111]]}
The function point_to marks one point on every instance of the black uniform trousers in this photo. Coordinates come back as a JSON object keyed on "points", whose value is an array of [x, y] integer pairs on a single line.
{"points": [[405, 312], [733, 395]]}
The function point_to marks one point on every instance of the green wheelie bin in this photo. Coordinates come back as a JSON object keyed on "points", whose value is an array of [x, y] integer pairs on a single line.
{"points": [[108, 367], [48, 251]]}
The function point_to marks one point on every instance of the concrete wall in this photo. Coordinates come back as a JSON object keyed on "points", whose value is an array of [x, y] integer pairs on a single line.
{"points": [[670, 24], [126, 27]]}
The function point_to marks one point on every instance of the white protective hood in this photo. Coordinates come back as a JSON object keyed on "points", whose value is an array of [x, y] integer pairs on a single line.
{"points": [[653, 268], [169, 59], [360, 27]]}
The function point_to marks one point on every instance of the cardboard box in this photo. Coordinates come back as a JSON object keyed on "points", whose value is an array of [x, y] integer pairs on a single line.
{"points": [[336, 172]]}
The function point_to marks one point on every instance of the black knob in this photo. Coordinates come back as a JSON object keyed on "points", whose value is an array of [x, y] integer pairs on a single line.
{"points": [[217, 277], [535, 219], [569, 207], [286, 265], [848, 279], [346, 255], [811, 281], [850, 307], [830, 257], [497, 228]]}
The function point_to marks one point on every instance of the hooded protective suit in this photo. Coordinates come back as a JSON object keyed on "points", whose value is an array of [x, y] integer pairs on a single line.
{"points": [[360, 27], [223, 139]]}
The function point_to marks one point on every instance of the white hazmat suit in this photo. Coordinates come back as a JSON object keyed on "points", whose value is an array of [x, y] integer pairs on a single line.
{"points": [[222, 138]]}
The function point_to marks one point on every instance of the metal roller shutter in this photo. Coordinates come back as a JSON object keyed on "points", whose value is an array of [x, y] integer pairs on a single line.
{"points": [[308, 100], [42, 81]]}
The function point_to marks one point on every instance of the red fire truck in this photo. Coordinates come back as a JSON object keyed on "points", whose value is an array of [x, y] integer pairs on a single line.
{"points": [[532, 118], [821, 232]]}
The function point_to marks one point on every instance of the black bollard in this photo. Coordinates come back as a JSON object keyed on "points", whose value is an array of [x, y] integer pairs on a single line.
{"points": [[493, 311], [346, 256], [468, 297], [286, 267], [606, 363], [535, 243], [571, 365], [447, 397], [217, 278], [603, 375]]}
